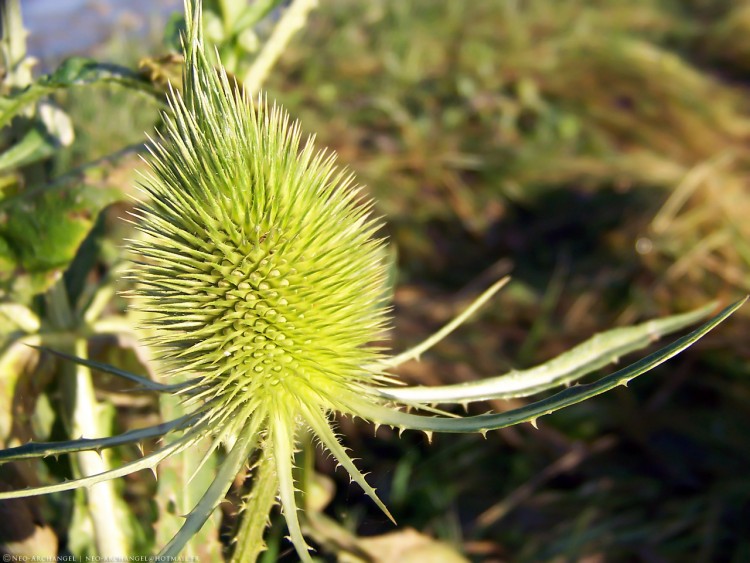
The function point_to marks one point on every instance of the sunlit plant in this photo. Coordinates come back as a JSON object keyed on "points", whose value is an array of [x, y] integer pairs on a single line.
{"points": [[263, 286]]}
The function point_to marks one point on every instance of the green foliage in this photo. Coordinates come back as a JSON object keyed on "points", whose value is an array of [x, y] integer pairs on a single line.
{"points": [[498, 107], [40, 236], [73, 72]]}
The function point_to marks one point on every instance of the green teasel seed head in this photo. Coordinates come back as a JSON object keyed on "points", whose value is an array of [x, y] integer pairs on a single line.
{"points": [[258, 265], [260, 278]]}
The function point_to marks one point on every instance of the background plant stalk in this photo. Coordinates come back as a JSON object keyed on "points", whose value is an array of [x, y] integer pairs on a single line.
{"points": [[81, 413]]}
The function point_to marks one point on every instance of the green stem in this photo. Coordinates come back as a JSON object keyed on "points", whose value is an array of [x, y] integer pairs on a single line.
{"points": [[14, 45], [293, 20], [82, 419], [102, 498]]}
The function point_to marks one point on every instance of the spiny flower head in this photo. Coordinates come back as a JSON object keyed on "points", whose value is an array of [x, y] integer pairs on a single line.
{"points": [[258, 265], [258, 269]]}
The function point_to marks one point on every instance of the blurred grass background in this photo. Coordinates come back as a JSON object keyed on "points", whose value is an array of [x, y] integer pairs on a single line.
{"points": [[597, 151]]}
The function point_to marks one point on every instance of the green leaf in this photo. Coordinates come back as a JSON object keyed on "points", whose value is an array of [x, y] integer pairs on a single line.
{"points": [[40, 236], [76, 71], [35, 145]]}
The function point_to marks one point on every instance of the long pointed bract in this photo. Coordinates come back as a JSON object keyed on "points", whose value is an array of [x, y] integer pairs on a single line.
{"points": [[597, 352], [214, 494], [529, 413], [44, 449]]}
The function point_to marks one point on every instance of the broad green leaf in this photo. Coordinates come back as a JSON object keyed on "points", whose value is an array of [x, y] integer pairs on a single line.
{"points": [[40, 236], [76, 71]]}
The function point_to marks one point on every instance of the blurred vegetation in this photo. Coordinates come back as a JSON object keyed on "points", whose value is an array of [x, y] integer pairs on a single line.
{"points": [[596, 150]]}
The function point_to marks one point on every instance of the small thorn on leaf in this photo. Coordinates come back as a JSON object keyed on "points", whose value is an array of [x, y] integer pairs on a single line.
{"points": [[534, 423]]}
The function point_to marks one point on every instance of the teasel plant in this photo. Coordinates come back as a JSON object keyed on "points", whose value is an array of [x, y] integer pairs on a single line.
{"points": [[263, 288]]}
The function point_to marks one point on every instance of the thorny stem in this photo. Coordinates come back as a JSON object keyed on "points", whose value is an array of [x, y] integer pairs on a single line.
{"points": [[293, 20]]}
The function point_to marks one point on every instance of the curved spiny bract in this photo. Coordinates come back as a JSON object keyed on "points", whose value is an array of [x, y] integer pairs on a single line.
{"points": [[44, 449], [532, 411], [567, 368]]}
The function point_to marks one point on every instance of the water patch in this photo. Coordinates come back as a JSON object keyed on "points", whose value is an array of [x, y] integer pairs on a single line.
{"points": [[58, 29]]}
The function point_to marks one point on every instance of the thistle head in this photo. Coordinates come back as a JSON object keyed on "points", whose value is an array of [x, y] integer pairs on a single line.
{"points": [[258, 267], [258, 270]]}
